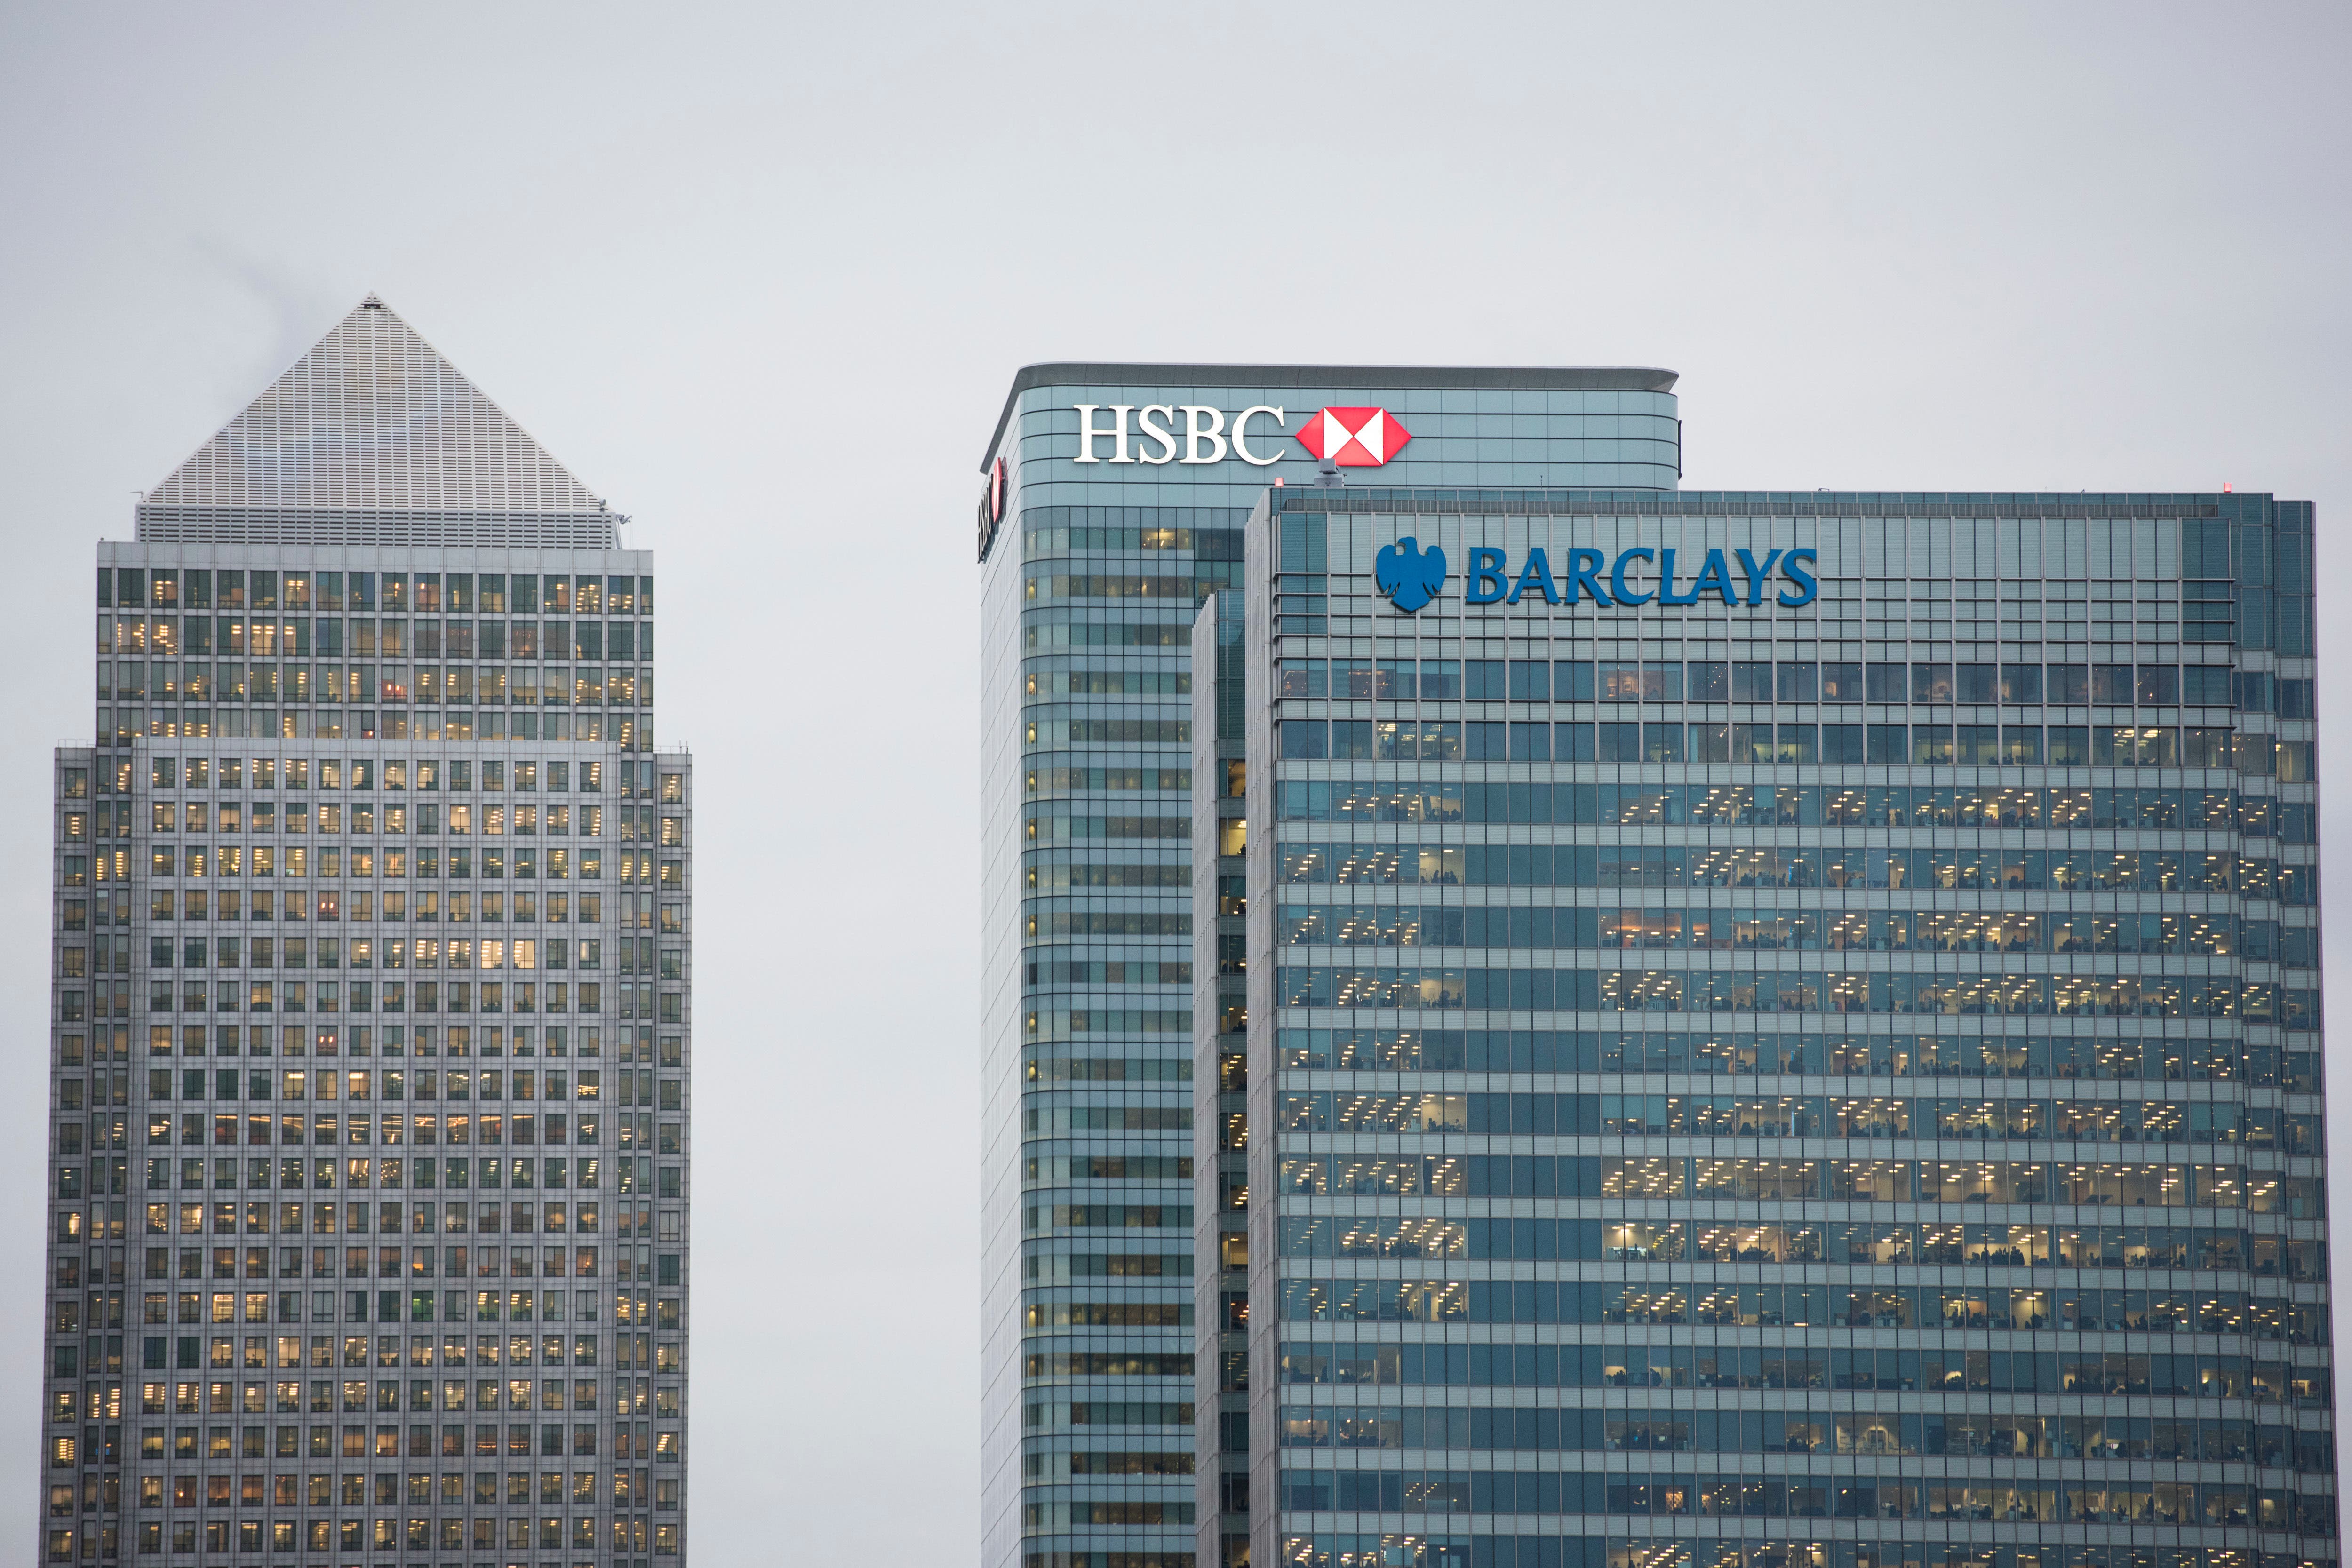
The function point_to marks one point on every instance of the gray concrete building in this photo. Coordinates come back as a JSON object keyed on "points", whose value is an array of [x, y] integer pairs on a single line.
{"points": [[370, 1028]]}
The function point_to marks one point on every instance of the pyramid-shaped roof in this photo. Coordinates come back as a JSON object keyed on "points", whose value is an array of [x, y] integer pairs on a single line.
{"points": [[372, 420]]}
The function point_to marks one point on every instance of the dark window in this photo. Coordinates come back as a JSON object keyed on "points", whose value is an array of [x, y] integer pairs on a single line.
{"points": [[1751, 683], [1842, 683], [1572, 682], [1305, 542], [1709, 681], [1842, 742], [1621, 743], [2111, 683], [2069, 683], [2021, 683], [1797, 682], [2206, 683], [1977, 684], [1887, 683], [1530, 680], [1483, 680], [2159, 685], [1931, 683], [1441, 680]]}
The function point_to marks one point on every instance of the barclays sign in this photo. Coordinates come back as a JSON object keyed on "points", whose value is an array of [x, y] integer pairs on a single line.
{"points": [[1411, 576]]}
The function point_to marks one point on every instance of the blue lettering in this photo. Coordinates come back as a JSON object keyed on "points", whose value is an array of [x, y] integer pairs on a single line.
{"points": [[1806, 589], [1537, 574], [1617, 576], [1715, 574], [1582, 562], [1490, 581], [1666, 594], [1486, 585], [1756, 574]]}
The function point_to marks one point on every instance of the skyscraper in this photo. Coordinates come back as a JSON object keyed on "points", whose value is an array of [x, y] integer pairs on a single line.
{"points": [[370, 1023], [1115, 500], [1754, 1029], [1792, 1041]]}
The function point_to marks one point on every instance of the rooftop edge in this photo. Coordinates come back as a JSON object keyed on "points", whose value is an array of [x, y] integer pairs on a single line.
{"points": [[1503, 377]]}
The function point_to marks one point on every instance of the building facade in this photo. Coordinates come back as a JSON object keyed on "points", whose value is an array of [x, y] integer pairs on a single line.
{"points": [[1094, 557], [1680, 991], [1793, 1039], [368, 1164]]}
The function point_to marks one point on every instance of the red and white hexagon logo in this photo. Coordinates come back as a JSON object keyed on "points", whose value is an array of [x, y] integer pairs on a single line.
{"points": [[1353, 437]]}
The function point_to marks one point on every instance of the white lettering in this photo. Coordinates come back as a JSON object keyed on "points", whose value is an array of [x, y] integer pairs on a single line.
{"points": [[1088, 433], [1195, 431], [1162, 433], [1241, 422]]}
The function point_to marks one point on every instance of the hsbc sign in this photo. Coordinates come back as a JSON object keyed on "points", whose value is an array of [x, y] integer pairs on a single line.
{"points": [[1193, 433], [1160, 431], [1353, 437]]}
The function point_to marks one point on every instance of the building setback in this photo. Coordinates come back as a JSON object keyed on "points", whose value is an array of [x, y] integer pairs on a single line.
{"points": [[1666, 1076], [370, 1023]]}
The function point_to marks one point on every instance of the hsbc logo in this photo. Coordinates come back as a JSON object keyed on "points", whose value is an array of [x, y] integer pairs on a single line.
{"points": [[1195, 433], [1353, 437], [1199, 431]]}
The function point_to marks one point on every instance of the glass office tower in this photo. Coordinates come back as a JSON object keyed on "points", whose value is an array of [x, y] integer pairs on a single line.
{"points": [[1115, 500], [369, 1023], [1782, 1031]]}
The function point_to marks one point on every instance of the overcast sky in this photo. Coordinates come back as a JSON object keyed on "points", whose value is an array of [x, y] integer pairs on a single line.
{"points": [[759, 275]]}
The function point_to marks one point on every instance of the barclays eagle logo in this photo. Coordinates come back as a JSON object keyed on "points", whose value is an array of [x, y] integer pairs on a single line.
{"points": [[1408, 574]]}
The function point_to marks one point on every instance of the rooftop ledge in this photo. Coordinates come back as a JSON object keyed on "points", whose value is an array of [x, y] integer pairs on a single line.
{"points": [[1496, 377]]}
